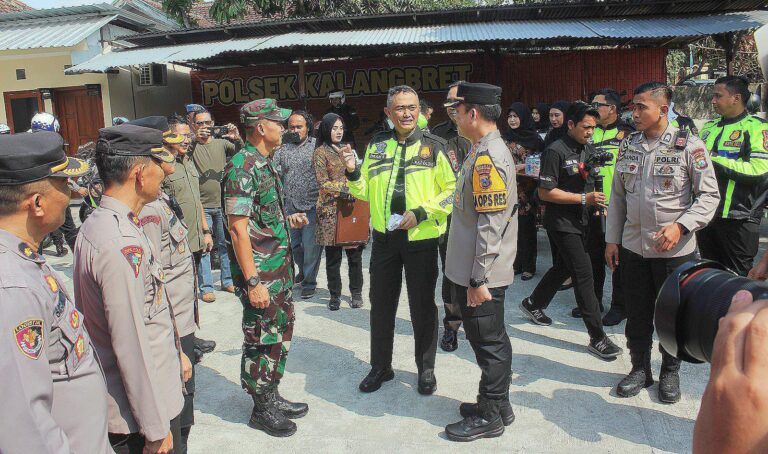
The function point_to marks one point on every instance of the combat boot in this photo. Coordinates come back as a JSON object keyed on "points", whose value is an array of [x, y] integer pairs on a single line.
{"points": [[486, 423], [291, 410], [669, 380], [268, 418], [639, 377], [469, 409]]}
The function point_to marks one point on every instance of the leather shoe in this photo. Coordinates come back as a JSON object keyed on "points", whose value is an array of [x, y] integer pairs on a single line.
{"points": [[228, 289], [209, 297], [449, 342], [372, 382], [427, 382], [614, 317], [205, 346]]}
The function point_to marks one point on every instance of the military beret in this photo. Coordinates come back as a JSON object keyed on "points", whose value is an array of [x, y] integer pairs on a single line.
{"points": [[263, 109], [476, 93], [161, 124], [195, 108], [133, 140], [28, 157]]}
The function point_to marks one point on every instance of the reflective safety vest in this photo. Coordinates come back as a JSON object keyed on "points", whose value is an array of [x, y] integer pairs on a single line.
{"points": [[429, 181], [739, 151], [608, 139]]}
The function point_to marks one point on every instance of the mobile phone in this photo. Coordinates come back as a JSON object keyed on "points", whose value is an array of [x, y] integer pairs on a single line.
{"points": [[219, 131]]}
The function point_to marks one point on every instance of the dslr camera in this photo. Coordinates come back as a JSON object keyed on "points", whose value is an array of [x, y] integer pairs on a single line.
{"points": [[691, 303]]}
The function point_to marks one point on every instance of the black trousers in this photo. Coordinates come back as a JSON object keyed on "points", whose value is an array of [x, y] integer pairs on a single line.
{"points": [[187, 415], [573, 261], [527, 250], [641, 280], [732, 242], [333, 269], [390, 254], [487, 334], [67, 232], [134, 443], [596, 249], [452, 318]]}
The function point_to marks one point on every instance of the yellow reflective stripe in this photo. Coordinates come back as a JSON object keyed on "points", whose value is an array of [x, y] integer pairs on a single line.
{"points": [[728, 197]]}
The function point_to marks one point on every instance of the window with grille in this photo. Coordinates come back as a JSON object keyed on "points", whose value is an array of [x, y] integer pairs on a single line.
{"points": [[152, 74]]}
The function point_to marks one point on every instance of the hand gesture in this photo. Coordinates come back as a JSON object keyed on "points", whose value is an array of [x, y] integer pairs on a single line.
{"points": [[232, 132], [349, 156], [203, 134]]}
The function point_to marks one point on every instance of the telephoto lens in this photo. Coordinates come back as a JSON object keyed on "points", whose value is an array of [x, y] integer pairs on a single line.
{"points": [[691, 303]]}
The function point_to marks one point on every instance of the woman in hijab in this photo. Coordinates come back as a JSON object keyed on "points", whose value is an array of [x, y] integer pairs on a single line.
{"points": [[557, 118], [540, 115], [332, 180], [523, 140]]}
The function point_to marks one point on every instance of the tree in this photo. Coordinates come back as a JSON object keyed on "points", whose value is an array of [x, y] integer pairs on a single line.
{"points": [[709, 58]]}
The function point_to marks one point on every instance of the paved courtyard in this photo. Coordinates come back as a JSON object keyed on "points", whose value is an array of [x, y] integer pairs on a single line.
{"points": [[562, 396]]}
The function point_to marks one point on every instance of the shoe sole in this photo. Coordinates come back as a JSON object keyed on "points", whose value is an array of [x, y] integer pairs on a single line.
{"points": [[427, 393], [297, 415], [306, 297], [451, 348], [670, 401], [386, 378], [531, 317], [595, 352], [257, 426], [490, 434]]}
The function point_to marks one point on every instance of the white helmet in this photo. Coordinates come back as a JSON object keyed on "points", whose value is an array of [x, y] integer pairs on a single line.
{"points": [[4, 129], [43, 121]]}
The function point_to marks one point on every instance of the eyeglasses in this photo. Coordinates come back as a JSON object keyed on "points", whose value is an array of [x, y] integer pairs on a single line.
{"points": [[600, 104], [204, 123]]}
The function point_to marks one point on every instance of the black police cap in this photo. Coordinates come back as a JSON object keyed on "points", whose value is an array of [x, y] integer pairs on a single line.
{"points": [[477, 93], [28, 157], [161, 124], [132, 140]]}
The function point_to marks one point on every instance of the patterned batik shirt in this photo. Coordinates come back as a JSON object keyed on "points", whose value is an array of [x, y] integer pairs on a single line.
{"points": [[252, 188], [294, 165]]}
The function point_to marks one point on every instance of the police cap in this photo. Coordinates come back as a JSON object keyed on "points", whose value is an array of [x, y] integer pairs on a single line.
{"points": [[29, 157], [476, 93], [161, 124], [133, 140]]}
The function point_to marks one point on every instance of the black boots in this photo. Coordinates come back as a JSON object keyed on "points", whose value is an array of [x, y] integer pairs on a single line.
{"points": [[291, 410], [449, 342], [61, 251], [639, 377], [467, 409], [268, 418], [373, 381], [486, 423], [669, 380]]}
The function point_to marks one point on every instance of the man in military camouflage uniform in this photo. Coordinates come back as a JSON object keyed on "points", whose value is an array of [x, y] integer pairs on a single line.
{"points": [[263, 271]]}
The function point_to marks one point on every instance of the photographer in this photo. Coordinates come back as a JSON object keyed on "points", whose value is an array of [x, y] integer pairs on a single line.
{"points": [[564, 187], [733, 416], [210, 154], [664, 189]]}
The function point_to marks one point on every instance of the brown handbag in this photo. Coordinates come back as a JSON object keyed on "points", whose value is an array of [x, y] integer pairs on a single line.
{"points": [[352, 222]]}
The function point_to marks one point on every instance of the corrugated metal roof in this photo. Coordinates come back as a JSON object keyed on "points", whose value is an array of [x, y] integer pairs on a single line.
{"points": [[59, 32], [511, 31]]}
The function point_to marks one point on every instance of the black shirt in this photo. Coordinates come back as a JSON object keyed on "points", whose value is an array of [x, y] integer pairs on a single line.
{"points": [[560, 169], [457, 148]]}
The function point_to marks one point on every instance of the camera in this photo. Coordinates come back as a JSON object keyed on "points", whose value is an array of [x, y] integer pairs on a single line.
{"points": [[219, 131], [691, 303], [598, 159]]}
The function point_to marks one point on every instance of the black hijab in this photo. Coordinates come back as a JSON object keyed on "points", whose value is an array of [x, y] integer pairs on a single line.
{"points": [[543, 124], [525, 134], [556, 134], [326, 125]]}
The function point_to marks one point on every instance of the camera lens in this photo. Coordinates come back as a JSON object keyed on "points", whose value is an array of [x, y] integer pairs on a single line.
{"points": [[691, 303]]}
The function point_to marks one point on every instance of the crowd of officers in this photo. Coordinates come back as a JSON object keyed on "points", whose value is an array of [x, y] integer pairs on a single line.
{"points": [[117, 353]]}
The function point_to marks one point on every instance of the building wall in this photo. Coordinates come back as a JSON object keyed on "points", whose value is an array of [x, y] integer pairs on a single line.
{"points": [[136, 102], [528, 78]]}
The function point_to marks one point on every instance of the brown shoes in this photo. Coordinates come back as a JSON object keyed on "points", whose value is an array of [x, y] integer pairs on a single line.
{"points": [[209, 297]]}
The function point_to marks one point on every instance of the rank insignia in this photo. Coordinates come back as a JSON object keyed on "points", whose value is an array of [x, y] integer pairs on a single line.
{"points": [[29, 337], [79, 346], [74, 319], [700, 159], [134, 219], [133, 254], [52, 284], [28, 252], [620, 135]]}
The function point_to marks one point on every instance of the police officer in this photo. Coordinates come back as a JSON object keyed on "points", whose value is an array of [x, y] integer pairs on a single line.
{"points": [[53, 394], [663, 191], [168, 234], [120, 289], [409, 183], [263, 271], [609, 133], [566, 189], [481, 250], [456, 150], [738, 146]]}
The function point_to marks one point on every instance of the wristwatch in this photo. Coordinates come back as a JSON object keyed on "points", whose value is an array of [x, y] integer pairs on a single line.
{"points": [[253, 281], [583, 198], [206, 232], [474, 283]]}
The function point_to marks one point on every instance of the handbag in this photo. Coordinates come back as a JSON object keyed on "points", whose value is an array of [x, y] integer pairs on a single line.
{"points": [[352, 222]]}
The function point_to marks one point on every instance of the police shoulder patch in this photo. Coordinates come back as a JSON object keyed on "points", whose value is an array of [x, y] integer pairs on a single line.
{"points": [[488, 188], [134, 255], [699, 157], [29, 337]]}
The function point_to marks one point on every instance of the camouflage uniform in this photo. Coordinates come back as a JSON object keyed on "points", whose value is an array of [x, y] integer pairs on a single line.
{"points": [[252, 188]]}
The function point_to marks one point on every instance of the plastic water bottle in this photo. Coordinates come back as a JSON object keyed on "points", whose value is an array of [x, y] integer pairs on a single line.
{"points": [[532, 165]]}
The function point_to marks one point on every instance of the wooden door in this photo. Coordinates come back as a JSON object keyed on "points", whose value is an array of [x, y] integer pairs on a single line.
{"points": [[80, 115], [20, 107]]}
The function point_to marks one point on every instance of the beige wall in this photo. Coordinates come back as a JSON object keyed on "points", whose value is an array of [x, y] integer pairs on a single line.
{"points": [[45, 69]]}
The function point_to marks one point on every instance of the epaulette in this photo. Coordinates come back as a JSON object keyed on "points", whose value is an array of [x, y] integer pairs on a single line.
{"points": [[438, 139], [755, 117], [381, 136]]}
